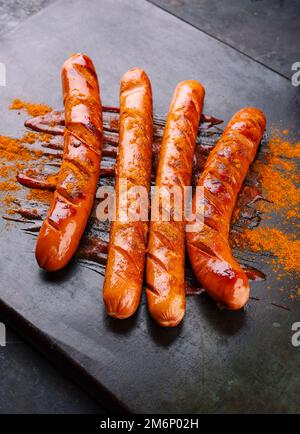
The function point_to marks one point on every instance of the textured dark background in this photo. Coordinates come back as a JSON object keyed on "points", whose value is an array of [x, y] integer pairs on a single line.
{"points": [[267, 31]]}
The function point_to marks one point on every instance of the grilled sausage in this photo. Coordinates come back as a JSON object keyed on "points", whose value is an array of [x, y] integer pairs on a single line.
{"points": [[165, 259], [225, 170], [78, 176], [128, 239]]}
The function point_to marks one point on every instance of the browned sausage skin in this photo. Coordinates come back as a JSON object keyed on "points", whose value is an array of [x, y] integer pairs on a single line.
{"points": [[165, 260], [78, 176], [128, 239], [225, 170]]}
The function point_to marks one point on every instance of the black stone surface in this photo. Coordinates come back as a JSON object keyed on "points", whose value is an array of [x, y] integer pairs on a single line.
{"points": [[13, 12], [222, 361], [29, 384], [266, 30]]}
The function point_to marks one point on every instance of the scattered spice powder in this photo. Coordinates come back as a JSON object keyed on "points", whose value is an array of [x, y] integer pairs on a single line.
{"points": [[44, 137], [279, 187], [9, 199], [279, 180], [284, 149], [8, 186], [285, 246], [291, 214], [279, 176], [13, 157], [16, 156], [13, 150], [44, 196], [4, 171], [32, 109]]}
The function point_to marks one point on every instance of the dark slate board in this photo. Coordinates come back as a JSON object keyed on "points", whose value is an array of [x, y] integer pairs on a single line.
{"points": [[216, 361], [265, 30], [30, 384]]}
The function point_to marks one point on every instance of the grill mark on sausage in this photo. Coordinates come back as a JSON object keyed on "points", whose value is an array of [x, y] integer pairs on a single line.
{"points": [[151, 288], [153, 258], [81, 139], [127, 255]]}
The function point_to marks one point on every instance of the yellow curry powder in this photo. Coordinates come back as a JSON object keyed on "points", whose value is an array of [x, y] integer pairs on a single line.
{"points": [[15, 156], [279, 179], [31, 108]]}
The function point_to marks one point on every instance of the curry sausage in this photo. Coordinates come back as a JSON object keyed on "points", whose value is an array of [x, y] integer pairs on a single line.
{"points": [[129, 232], [166, 250], [223, 175], [77, 180]]}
